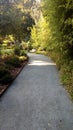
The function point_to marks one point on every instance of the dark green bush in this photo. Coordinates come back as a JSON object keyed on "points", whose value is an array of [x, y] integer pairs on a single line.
{"points": [[5, 76], [17, 50], [9, 67], [13, 61], [3, 71], [0, 53], [6, 79], [22, 53]]}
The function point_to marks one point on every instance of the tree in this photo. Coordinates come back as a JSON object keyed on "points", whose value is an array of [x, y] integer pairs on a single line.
{"points": [[27, 25], [10, 20], [40, 34], [59, 14], [14, 20]]}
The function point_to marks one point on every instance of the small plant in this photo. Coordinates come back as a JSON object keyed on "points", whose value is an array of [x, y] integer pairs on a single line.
{"points": [[23, 53], [9, 67], [22, 58], [13, 61], [65, 74], [0, 52], [5, 76], [6, 79], [3, 71], [17, 50]]}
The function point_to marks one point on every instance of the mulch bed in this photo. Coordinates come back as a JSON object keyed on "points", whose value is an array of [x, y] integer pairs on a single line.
{"points": [[14, 73]]}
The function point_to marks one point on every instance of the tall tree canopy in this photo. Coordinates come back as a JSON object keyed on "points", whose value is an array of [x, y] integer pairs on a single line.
{"points": [[14, 19], [59, 14], [59, 17]]}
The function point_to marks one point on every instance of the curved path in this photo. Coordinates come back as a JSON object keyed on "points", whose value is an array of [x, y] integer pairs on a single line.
{"points": [[36, 100]]}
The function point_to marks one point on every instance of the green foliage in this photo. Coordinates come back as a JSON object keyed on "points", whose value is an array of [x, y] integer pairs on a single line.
{"points": [[27, 25], [13, 61], [59, 14], [40, 34], [6, 79], [5, 76], [6, 52], [0, 53], [14, 20], [10, 20], [3, 71], [67, 77], [65, 74], [22, 58], [23, 53], [17, 50]]}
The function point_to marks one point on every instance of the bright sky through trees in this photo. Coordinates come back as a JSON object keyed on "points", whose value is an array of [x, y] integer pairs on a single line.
{"points": [[38, 1]]}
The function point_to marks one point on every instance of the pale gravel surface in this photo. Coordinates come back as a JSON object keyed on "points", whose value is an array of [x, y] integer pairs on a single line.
{"points": [[36, 100]]}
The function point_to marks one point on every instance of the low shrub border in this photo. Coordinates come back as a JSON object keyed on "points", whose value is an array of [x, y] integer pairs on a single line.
{"points": [[15, 72]]}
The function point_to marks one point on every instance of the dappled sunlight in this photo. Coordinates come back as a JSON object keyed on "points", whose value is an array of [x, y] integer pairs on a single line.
{"points": [[40, 63]]}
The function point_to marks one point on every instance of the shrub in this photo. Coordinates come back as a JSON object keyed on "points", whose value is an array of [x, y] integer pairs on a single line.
{"points": [[2, 64], [3, 71], [6, 79], [17, 50], [5, 76], [9, 67], [0, 52], [66, 74], [13, 61], [22, 58], [22, 53]]}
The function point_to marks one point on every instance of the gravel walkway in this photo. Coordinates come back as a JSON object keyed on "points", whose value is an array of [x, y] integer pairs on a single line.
{"points": [[36, 100]]}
